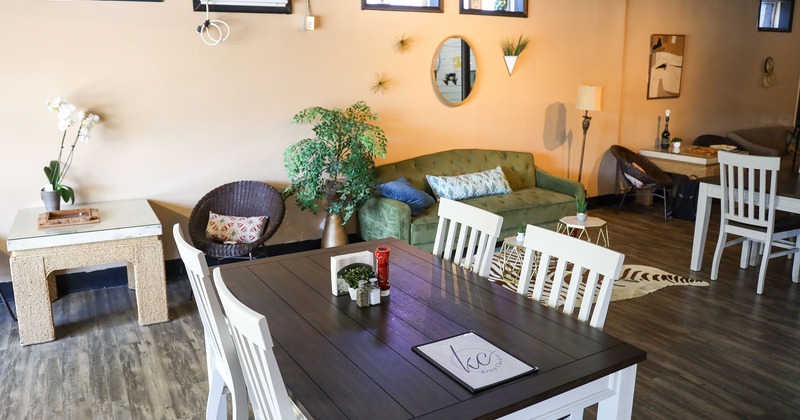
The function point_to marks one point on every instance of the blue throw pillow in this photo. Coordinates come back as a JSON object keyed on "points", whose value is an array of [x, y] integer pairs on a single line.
{"points": [[402, 190]]}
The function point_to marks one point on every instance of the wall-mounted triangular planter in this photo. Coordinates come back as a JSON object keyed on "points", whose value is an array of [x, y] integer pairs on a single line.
{"points": [[511, 60]]}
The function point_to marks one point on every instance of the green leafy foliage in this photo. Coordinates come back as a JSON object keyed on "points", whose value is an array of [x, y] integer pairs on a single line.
{"points": [[53, 174], [580, 202], [337, 166], [355, 273], [510, 47]]}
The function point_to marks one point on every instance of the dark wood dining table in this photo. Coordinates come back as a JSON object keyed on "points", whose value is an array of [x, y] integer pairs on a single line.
{"points": [[342, 361]]}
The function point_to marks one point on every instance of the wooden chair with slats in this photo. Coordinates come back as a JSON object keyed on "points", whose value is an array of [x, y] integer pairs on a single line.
{"points": [[748, 186], [224, 371], [250, 331], [466, 235], [587, 265]]}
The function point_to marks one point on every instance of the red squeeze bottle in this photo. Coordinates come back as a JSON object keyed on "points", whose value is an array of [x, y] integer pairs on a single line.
{"points": [[382, 257]]}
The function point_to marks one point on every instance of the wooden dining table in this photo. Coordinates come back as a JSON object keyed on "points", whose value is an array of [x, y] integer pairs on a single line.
{"points": [[342, 361], [787, 199]]}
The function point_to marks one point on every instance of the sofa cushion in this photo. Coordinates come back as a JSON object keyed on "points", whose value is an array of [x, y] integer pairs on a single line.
{"points": [[402, 190], [518, 167], [536, 206], [479, 184]]}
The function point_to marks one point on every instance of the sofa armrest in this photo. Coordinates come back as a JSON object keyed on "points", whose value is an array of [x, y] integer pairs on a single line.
{"points": [[549, 181], [382, 217]]}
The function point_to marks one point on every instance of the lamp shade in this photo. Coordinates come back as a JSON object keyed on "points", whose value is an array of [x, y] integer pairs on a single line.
{"points": [[590, 98]]}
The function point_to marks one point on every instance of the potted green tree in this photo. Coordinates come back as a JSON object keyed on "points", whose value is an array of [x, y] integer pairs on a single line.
{"points": [[336, 167]]}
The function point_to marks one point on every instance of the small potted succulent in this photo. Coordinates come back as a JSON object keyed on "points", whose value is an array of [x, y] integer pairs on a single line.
{"points": [[580, 206], [521, 233], [354, 273], [676, 144]]}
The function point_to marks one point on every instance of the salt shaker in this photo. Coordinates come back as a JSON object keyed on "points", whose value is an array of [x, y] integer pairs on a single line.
{"points": [[374, 292], [362, 294]]}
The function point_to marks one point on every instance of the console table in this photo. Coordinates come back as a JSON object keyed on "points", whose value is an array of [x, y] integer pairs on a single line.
{"points": [[128, 231], [686, 162]]}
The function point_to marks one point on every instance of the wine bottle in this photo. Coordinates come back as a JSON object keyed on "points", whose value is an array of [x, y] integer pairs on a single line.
{"points": [[665, 134]]}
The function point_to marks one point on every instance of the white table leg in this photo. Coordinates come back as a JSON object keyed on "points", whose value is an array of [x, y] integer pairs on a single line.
{"points": [[619, 406], [700, 226]]}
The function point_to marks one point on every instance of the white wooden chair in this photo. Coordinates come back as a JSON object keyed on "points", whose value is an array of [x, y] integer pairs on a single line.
{"points": [[224, 371], [600, 267], [748, 211], [476, 231], [265, 386]]}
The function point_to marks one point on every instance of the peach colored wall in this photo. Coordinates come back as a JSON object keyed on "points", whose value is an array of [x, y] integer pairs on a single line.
{"points": [[723, 68], [181, 118]]}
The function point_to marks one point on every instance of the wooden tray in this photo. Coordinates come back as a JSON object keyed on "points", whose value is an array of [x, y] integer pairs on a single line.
{"points": [[68, 217]]}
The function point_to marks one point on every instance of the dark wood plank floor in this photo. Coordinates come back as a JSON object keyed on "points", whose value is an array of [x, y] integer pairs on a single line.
{"points": [[713, 353]]}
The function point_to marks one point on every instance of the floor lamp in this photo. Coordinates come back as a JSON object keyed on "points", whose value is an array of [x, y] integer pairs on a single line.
{"points": [[590, 98]]}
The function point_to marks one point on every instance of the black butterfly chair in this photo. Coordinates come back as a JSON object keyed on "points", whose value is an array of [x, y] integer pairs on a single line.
{"points": [[642, 176]]}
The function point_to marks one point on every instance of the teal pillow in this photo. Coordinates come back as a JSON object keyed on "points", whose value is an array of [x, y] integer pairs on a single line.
{"points": [[402, 190], [478, 184]]}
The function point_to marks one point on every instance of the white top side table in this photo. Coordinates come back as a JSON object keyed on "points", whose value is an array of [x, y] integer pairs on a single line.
{"points": [[128, 232], [593, 227], [512, 253]]}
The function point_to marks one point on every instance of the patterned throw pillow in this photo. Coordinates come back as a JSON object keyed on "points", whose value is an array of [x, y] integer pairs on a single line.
{"points": [[478, 184], [235, 229]]}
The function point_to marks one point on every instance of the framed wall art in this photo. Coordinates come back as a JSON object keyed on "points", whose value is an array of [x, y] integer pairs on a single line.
{"points": [[666, 66]]}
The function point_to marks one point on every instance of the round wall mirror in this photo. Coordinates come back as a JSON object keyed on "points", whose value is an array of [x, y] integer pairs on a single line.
{"points": [[454, 70]]}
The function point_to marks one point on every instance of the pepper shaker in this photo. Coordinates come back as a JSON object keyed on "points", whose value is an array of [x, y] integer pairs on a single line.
{"points": [[362, 294]]}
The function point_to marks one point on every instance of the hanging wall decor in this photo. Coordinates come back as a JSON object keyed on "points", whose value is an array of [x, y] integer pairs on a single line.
{"points": [[666, 66], [381, 83], [244, 6], [403, 43], [434, 6]]}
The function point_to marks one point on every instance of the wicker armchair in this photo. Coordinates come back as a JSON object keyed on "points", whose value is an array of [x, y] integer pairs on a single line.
{"points": [[646, 179], [241, 198]]}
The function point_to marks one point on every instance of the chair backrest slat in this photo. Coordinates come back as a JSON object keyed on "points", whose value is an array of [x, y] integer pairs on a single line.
{"points": [[477, 234], [583, 263], [254, 347], [748, 186]]}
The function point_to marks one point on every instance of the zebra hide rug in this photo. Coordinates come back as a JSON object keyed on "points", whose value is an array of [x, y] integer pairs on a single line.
{"points": [[635, 280]]}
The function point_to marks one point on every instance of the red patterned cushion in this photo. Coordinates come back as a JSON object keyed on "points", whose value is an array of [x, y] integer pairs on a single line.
{"points": [[234, 228]]}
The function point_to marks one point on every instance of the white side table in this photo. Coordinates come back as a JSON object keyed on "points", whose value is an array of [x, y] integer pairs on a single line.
{"points": [[128, 231], [511, 254], [594, 229]]}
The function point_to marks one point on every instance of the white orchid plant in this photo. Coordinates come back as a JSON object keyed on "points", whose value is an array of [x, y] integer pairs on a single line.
{"points": [[57, 169]]}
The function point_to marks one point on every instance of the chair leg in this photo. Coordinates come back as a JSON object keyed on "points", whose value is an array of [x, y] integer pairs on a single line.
{"points": [[664, 192], [762, 273], [796, 262], [10, 312], [747, 250], [625, 194], [217, 404], [718, 253]]}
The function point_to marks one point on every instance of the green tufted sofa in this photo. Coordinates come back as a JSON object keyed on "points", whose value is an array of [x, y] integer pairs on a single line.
{"points": [[538, 197]]}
